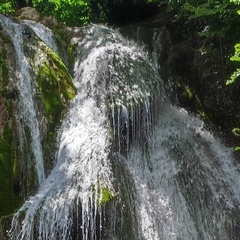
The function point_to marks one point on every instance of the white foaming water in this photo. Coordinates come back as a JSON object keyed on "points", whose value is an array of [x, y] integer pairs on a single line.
{"points": [[15, 31], [82, 166]]}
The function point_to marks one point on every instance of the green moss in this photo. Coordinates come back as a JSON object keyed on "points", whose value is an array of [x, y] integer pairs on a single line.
{"points": [[236, 132], [56, 90], [48, 87], [104, 194], [187, 93], [70, 51], [4, 69], [5, 222]]}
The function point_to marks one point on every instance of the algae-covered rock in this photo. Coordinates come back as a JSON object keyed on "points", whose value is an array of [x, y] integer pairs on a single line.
{"points": [[55, 90]]}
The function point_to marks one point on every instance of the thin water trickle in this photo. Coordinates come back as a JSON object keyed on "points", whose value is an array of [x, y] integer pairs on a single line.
{"points": [[24, 84]]}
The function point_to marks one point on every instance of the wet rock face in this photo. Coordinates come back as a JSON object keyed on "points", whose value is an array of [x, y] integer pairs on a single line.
{"points": [[218, 102], [8, 93], [9, 144], [197, 82]]}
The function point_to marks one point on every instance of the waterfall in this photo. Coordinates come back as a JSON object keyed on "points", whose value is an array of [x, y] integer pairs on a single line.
{"points": [[26, 91], [129, 164]]}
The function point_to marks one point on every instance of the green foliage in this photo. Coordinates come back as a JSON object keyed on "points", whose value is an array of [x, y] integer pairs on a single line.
{"points": [[72, 12], [237, 148], [235, 58], [235, 1], [6, 7], [212, 19]]}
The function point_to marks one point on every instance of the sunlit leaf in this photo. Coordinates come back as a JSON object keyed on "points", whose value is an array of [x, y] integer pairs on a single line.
{"points": [[237, 148], [236, 132], [233, 77]]}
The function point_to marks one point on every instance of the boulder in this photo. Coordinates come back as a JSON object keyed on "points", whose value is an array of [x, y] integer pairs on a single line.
{"points": [[28, 13]]}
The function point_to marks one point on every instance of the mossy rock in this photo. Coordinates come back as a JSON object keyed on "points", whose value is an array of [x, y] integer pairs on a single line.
{"points": [[4, 70], [56, 90]]}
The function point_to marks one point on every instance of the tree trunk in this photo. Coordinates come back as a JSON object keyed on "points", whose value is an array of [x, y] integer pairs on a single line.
{"points": [[21, 3], [30, 3]]}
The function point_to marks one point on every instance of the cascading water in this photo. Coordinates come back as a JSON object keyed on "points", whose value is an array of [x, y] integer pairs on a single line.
{"points": [[16, 31], [130, 166], [82, 179], [186, 182]]}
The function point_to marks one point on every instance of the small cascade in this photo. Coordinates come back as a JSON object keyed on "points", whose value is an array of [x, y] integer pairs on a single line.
{"points": [[17, 34], [77, 182]]}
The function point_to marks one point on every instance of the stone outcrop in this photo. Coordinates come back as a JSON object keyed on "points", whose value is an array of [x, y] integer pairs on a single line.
{"points": [[29, 13]]}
